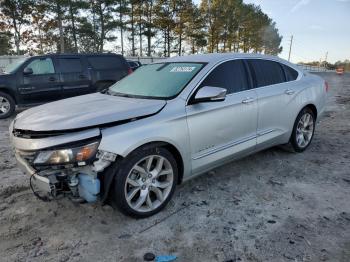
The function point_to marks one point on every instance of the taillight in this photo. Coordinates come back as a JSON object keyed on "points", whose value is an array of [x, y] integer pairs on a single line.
{"points": [[326, 86], [129, 71]]}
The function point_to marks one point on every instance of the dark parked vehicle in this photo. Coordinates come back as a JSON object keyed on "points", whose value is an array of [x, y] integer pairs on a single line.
{"points": [[134, 64], [40, 79]]}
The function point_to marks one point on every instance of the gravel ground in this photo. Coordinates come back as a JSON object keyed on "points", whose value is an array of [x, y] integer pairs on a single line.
{"points": [[271, 206]]}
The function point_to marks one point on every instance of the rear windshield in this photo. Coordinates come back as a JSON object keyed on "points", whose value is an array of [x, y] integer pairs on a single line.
{"points": [[106, 62], [158, 81]]}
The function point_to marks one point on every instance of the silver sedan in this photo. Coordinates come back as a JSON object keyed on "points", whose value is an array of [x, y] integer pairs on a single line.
{"points": [[166, 123]]}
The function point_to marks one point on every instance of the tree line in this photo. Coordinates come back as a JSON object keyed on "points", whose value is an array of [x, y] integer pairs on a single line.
{"points": [[135, 27]]}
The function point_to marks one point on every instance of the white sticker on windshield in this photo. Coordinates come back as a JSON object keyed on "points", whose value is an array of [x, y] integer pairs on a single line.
{"points": [[182, 69]]}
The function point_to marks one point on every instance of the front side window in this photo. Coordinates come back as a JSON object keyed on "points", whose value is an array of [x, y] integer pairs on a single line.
{"points": [[41, 66], [158, 81], [230, 75], [266, 72]]}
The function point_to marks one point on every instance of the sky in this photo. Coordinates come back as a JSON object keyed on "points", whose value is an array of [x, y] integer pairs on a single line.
{"points": [[317, 26]]}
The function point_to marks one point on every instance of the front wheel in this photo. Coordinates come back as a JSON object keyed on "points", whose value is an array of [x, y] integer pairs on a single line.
{"points": [[303, 130], [7, 105], [145, 182]]}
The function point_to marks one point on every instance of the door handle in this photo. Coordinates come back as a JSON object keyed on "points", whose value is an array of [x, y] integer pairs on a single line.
{"points": [[52, 79], [248, 100], [289, 92]]}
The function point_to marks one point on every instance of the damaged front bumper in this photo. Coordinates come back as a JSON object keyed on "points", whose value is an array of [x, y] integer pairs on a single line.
{"points": [[79, 181], [41, 182]]}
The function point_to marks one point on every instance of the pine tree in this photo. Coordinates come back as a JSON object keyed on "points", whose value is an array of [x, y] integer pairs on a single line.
{"points": [[17, 15]]}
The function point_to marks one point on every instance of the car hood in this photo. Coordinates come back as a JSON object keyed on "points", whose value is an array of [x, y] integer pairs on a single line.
{"points": [[85, 111], [4, 77]]}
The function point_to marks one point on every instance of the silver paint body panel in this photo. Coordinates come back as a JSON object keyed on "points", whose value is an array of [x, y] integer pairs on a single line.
{"points": [[85, 111], [206, 134]]}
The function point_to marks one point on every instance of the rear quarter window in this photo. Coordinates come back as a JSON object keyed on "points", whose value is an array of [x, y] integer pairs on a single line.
{"points": [[106, 62], [291, 74], [266, 72]]}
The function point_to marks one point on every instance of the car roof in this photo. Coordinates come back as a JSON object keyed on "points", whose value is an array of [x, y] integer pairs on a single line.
{"points": [[77, 55], [217, 57]]}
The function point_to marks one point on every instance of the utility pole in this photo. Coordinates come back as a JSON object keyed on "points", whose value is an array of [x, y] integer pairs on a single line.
{"points": [[325, 59], [290, 47]]}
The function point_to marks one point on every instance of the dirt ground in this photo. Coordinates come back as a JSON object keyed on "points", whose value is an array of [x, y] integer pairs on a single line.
{"points": [[271, 206]]}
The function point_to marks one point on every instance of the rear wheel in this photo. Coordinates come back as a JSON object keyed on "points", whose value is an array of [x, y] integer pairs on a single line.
{"points": [[145, 182], [7, 105], [303, 130]]}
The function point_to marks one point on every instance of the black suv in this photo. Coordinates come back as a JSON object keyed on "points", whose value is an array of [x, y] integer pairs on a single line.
{"points": [[40, 79]]}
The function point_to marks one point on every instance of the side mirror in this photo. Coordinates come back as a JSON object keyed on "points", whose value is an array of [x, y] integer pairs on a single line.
{"points": [[210, 94], [27, 71]]}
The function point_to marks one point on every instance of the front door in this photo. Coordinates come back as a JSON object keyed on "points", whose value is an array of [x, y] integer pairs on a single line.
{"points": [[219, 130], [39, 81]]}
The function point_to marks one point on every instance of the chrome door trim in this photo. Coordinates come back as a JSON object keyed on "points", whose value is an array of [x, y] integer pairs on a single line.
{"points": [[223, 147], [265, 132], [234, 143]]}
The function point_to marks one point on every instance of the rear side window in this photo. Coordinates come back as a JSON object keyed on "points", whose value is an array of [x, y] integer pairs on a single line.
{"points": [[266, 72], [291, 74], [70, 65], [106, 62], [230, 75]]}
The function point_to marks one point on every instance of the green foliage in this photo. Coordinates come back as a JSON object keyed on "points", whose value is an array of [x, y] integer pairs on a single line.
{"points": [[15, 15], [5, 43], [137, 27]]}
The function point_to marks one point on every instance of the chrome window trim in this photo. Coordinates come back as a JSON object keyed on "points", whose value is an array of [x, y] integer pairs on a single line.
{"points": [[242, 58]]}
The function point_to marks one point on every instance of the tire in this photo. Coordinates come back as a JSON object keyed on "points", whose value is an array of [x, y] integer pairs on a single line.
{"points": [[135, 183], [7, 105], [303, 132]]}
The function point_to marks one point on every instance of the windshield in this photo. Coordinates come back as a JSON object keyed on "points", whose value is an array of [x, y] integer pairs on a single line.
{"points": [[158, 81], [10, 68]]}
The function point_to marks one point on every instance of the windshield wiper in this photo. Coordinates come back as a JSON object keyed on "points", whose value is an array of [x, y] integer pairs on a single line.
{"points": [[120, 94]]}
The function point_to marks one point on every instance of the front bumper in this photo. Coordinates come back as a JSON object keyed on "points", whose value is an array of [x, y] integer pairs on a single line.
{"points": [[40, 182], [78, 182], [24, 166]]}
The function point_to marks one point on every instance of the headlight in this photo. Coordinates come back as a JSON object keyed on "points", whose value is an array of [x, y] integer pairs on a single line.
{"points": [[67, 156]]}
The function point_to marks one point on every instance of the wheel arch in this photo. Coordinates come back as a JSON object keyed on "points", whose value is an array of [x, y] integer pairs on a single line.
{"points": [[109, 174], [313, 109], [9, 92], [172, 149]]}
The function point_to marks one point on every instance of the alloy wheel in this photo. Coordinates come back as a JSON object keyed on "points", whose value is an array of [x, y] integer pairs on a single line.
{"points": [[149, 183], [4, 105], [305, 130]]}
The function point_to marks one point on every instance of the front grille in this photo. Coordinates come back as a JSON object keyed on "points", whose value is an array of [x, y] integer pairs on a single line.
{"points": [[35, 134]]}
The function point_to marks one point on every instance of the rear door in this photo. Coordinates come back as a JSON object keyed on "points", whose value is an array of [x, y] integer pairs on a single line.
{"points": [[42, 85], [74, 76], [219, 130], [107, 69], [274, 100]]}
